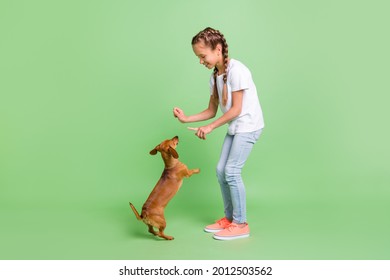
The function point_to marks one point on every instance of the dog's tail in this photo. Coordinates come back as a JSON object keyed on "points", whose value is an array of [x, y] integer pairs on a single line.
{"points": [[137, 215]]}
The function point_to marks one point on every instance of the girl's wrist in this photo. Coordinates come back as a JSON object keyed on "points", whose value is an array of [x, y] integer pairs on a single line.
{"points": [[185, 119]]}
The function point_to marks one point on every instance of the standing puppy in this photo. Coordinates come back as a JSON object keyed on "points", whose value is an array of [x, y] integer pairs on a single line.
{"points": [[170, 181]]}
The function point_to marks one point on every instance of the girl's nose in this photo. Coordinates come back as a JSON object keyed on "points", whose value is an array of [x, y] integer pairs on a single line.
{"points": [[201, 61]]}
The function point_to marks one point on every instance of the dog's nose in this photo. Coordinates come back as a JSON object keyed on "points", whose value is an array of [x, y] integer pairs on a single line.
{"points": [[176, 137]]}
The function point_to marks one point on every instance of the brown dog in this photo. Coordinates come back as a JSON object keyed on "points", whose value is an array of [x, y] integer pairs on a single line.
{"points": [[171, 180]]}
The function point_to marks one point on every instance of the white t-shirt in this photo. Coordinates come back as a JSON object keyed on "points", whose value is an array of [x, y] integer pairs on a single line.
{"points": [[240, 78]]}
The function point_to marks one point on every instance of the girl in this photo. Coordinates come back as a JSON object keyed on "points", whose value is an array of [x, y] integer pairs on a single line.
{"points": [[233, 89]]}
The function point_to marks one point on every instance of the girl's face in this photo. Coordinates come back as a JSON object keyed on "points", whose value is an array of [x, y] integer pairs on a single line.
{"points": [[208, 57]]}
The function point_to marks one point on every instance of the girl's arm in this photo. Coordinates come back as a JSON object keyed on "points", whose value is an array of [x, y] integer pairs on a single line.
{"points": [[231, 114], [207, 114]]}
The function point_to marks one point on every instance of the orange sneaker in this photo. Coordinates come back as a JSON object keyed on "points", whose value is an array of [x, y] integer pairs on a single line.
{"points": [[219, 225], [233, 231]]}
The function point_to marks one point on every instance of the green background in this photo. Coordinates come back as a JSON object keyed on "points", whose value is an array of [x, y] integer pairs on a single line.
{"points": [[87, 90]]}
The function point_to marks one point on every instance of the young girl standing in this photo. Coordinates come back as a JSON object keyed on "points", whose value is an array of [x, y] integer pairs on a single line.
{"points": [[232, 88]]}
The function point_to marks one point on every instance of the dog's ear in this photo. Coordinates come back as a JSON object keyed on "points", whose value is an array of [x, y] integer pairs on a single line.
{"points": [[153, 152], [173, 152]]}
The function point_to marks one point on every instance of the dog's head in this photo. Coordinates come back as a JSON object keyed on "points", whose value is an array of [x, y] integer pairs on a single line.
{"points": [[167, 147]]}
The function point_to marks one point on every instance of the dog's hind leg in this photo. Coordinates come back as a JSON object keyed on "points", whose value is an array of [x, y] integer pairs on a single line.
{"points": [[151, 230], [161, 234], [157, 221]]}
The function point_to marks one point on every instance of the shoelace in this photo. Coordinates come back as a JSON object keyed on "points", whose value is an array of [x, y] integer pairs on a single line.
{"points": [[222, 221], [231, 227]]}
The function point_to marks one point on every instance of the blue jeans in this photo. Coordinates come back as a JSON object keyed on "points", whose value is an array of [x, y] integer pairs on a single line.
{"points": [[235, 151]]}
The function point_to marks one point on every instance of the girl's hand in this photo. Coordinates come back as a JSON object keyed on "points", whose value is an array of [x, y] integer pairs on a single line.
{"points": [[202, 131], [178, 113]]}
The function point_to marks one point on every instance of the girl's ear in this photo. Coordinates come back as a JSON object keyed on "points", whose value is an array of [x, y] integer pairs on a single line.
{"points": [[173, 152], [218, 47]]}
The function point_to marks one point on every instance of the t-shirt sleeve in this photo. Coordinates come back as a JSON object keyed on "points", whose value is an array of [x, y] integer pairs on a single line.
{"points": [[239, 79], [211, 84]]}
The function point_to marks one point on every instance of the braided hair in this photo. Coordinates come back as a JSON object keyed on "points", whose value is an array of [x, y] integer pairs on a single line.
{"points": [[212, 38]]}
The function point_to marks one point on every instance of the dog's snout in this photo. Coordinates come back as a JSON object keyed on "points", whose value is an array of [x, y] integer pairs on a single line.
{"points": [[176, 140]]}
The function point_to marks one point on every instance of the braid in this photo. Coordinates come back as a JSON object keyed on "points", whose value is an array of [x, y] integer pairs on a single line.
{"points": [[215, 90], [225, 55], [212, 38]]}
